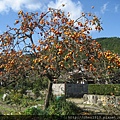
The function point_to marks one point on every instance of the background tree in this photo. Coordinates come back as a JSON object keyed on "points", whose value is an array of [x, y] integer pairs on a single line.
{"points": [[49, 44], [110, 43]]}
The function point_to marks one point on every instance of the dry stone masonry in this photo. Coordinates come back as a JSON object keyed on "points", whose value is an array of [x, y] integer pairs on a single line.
{"points": [[101, 100]]}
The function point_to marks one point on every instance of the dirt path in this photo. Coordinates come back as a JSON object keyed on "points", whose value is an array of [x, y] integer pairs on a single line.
{"points": [[93, 108], [4, 108], [7, 109]]}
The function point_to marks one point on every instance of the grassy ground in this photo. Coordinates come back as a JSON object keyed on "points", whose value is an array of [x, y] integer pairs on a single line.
{"points": [[15, 109]]}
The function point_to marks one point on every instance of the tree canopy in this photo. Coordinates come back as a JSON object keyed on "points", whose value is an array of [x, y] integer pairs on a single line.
{"points": [[52, 38]]}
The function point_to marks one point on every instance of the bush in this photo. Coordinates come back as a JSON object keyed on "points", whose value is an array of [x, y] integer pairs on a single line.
{"points": [[62, 107], [104, 89], [1, 113], [34, 111], [56, 108]]}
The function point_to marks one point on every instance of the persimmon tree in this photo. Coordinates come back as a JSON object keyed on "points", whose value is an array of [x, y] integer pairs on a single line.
{"points": [[49, 44], [112, 66]]}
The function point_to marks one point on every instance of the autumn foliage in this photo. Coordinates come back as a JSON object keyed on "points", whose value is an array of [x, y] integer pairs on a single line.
{"points": [[51, 43]]}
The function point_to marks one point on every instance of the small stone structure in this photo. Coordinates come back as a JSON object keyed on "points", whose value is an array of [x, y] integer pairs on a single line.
{"points": [[30, 93], [101, 99], [58, 89], [4, 97]]}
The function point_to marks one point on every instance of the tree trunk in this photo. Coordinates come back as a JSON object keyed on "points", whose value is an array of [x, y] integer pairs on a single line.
{"points": [[48, 95]]}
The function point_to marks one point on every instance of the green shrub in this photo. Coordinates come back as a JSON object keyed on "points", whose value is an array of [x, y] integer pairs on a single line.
{"points": [[1, 113], [62, 107], [57, 108], [104, 89], [34, 111]]}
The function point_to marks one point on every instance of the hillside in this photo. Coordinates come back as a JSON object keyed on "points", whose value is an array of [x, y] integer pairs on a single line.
{"points": [[112, 43]]}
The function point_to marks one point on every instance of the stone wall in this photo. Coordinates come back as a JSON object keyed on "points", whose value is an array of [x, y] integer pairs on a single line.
{"points": [[75, 90], [58, 89], [70, 89], [101, 99]]}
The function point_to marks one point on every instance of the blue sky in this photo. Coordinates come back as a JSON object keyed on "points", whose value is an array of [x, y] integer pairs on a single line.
{"points": [[107, 10]]}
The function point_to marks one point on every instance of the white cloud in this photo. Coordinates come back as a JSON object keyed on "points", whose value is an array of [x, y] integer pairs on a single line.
{"points": [[104, 8], [74, 8], [15, 5], [116, 8]]}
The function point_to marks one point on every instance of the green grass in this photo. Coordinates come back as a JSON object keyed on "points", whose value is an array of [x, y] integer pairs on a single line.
{"points": [[16, 109], [6, 107], [1, 94], [6, 110]]}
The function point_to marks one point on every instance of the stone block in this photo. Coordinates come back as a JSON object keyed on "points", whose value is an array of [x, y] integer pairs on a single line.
{"points": [[99, 102], [95, 98], [103, 99], [30, 94], [85, 97], [118, 100]]}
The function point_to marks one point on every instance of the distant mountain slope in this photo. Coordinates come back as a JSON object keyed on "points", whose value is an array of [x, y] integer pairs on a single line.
{"points": [[112, 43]]}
